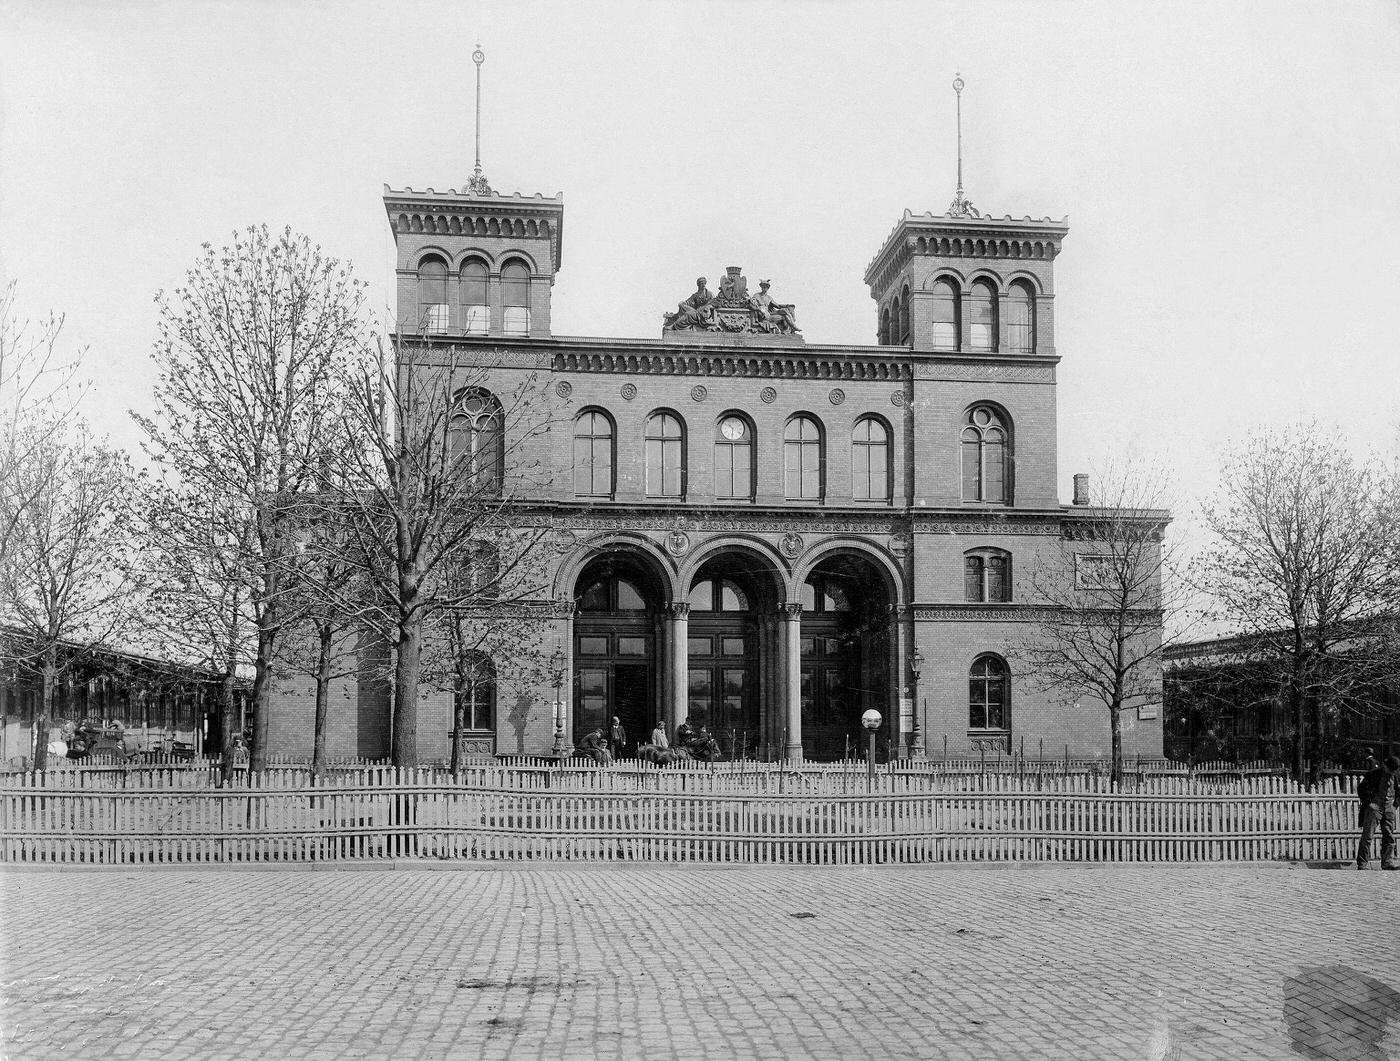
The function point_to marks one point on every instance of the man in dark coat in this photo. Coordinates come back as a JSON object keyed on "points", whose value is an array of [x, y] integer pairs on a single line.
{"points": [[1379, 793], [595, 746], [617, 736]]}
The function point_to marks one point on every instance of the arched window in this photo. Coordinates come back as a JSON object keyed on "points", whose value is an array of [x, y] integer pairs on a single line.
{"points": [[894, 322], [947, 316], [432, 295], [1020, 319], [987, 576], [515, 297], [476, 306], [479, 448], [987, 695], [612, 593], [593, 454], [884, 337], [803, 460], [870, 460], [904, 315], [985, 445], [984, 316], [475, 692], [665, 454], [734, 455]]}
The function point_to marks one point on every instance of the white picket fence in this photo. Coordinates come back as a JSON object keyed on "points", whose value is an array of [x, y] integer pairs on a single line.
{"points": [[559, 813]]}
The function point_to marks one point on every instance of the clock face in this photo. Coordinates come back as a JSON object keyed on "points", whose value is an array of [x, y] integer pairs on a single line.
{"points": [[732, 427]]}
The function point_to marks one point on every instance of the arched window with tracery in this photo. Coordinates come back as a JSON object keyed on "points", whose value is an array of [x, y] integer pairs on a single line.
{"points": [[987, 576], [988, 696], [734, 458], [476, 304], [479, 446], [986, 443], [1020, 319], [803, 461], [870, 460], [432, 294], [984, 316], [515, 298], [593, 454], [947, 316], [665, 455]]}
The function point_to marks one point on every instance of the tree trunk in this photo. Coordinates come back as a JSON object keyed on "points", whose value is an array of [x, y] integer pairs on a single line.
{"points": [[1115, 713], [323, 689], [1297, 703], [404, 739], [41, 724], [459, 718], [228, 718], [1315, 721], [262, 697]]}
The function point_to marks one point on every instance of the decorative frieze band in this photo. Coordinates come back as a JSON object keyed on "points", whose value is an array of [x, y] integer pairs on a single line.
{"points": [[984, 373], [732, 364]]}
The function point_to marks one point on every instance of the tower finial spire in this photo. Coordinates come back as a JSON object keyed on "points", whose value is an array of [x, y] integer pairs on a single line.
{"points": [[961, 206], [476, 184]]}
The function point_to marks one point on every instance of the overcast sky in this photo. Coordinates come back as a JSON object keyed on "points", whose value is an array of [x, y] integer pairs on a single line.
{"points": [[1230, 171]]}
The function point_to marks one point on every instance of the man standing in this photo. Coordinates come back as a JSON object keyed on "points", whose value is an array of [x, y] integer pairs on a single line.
{"points": [[618, 737], [1379, 793]]}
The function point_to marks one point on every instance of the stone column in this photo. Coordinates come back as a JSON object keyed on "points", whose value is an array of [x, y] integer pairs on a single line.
{"points": [[790, 616], [678, 632]]}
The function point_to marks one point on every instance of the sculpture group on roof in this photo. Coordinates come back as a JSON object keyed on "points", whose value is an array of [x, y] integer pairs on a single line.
{"points": [[733, 309]]}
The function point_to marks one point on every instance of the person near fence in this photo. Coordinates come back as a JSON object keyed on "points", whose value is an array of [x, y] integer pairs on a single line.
{"points": [[684, 734], [617, 738], [658, 737], [1379, 792], [595, 746]]}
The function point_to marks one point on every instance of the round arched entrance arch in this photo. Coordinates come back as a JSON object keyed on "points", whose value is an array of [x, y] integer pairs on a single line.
{"points": [[618, 599], [846, 655]]}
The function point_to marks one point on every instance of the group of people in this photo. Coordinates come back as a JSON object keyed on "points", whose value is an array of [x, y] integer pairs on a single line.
{"points": [[603, 745], [1379, 792]]}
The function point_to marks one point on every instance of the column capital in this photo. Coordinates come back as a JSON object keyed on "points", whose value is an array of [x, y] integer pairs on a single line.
{"points": [[790, 610], [678, 610]]}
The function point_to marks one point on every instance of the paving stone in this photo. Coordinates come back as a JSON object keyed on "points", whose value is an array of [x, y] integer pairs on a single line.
{"points": [[1057, 961]]}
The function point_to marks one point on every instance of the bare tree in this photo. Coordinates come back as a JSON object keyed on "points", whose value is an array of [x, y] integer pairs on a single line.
{"points": [[443, 464], [1306, 559], [1103, 595], [36, 395], [253, 357], [66, 578]]}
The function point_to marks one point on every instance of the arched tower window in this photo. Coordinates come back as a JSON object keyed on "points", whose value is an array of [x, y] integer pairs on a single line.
{"points": [[884, 336], [1020, 319], [477, 435], [988, 695], [593, 454], [985, 445], [894, 322], [734, 458], [476, 306], [904, 315], [947, 316], [432, 294], [984, 316], [665, 456], [870, 460], [987, 576], [803, 460], [515, 297]]}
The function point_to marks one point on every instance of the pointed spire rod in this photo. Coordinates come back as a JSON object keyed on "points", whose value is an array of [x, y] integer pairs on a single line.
{"points": [[961, 206], [477, 185]]}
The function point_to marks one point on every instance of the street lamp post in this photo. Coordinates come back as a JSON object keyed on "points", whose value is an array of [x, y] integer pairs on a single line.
{"points": [[557, 668], [871, 721]]}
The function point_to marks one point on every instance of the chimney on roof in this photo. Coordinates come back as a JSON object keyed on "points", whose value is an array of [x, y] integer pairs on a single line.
{"points": [[1081, 489]]}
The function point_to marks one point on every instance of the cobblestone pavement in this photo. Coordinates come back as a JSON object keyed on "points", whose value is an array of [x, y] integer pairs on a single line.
{"points": [[1047, 961]]}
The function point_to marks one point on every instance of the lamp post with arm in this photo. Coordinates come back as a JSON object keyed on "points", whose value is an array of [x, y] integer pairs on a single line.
{"points": [[916, 668]]}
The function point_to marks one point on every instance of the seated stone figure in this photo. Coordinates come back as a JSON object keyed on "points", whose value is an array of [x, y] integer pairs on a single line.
{"points": [[695, 313], [772, 316]]}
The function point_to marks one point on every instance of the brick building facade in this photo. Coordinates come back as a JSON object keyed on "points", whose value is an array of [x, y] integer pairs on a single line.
{"points": [[759, 533]]}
